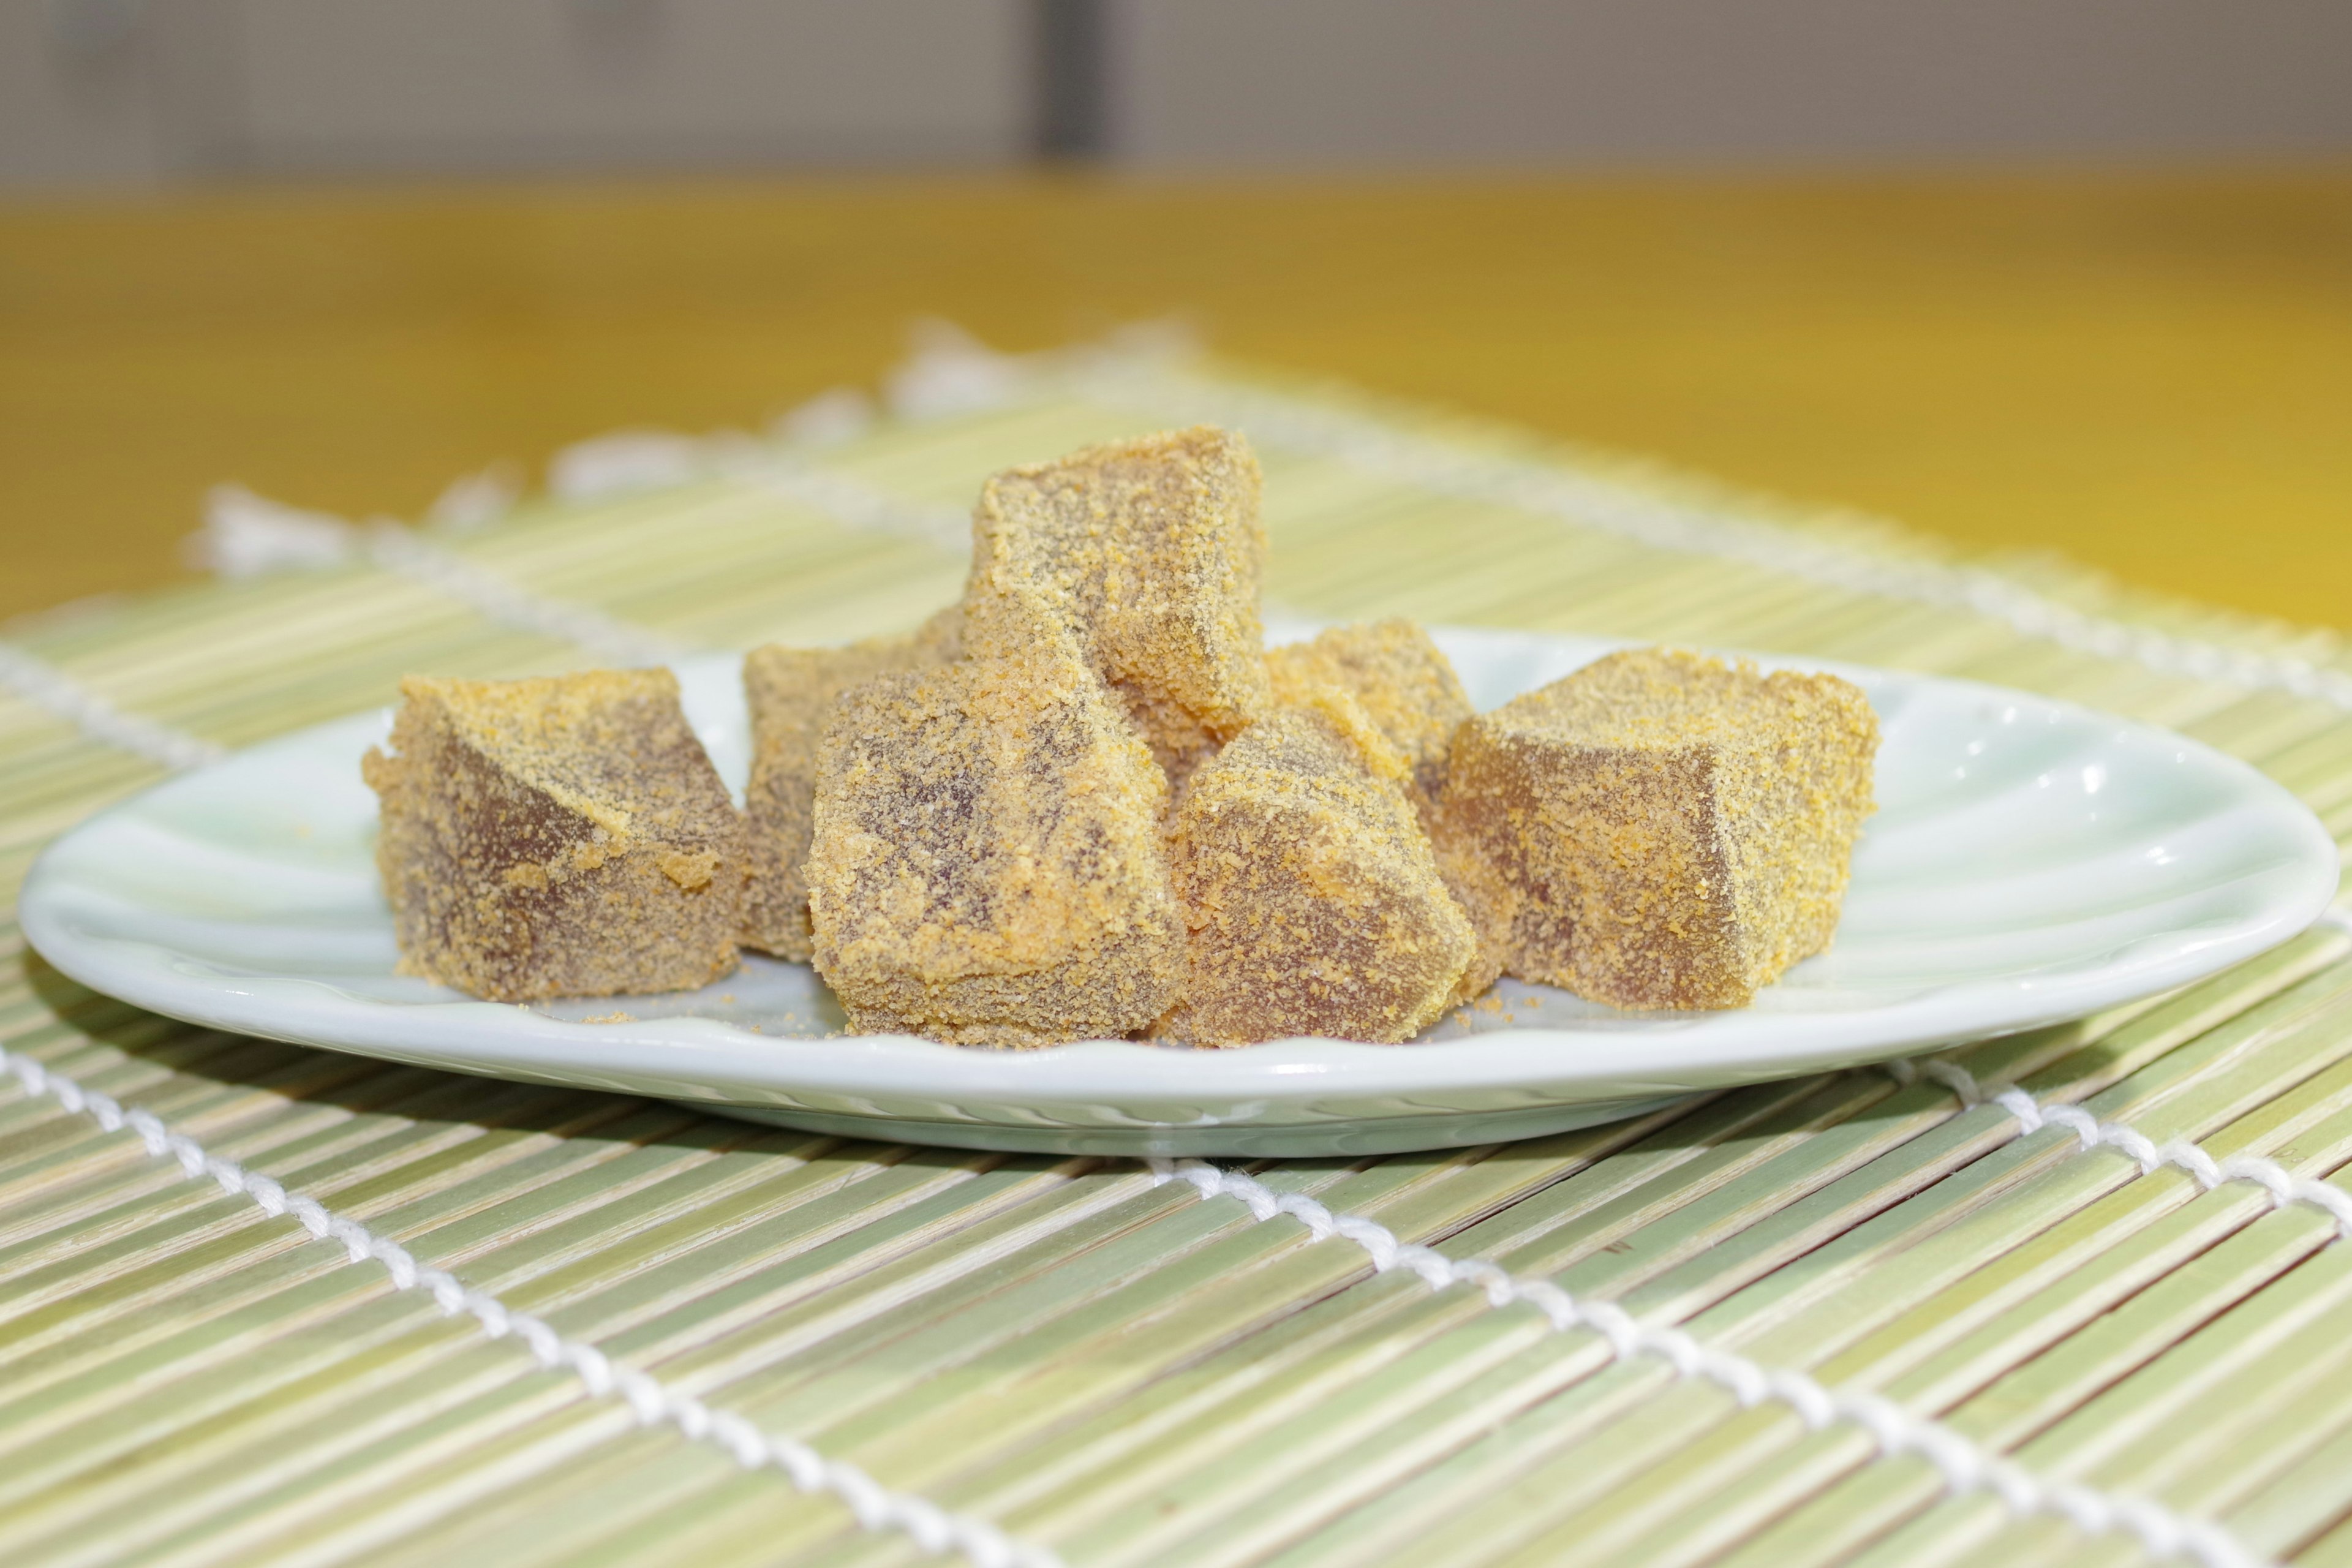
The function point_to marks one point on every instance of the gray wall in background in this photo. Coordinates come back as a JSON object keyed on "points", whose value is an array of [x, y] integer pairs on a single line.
{"points": [[99, 92], [128, 91], [1295, 82]]}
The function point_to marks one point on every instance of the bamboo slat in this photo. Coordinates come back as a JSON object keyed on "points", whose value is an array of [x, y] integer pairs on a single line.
{"points": [[1105, 1365]]}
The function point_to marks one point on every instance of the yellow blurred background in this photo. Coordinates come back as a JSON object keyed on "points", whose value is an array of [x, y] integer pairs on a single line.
{"points": [[2152, 373], [342, 252]]}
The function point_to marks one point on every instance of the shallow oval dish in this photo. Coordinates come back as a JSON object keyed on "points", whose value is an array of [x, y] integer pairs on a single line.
{"points": [[2031, 861]]}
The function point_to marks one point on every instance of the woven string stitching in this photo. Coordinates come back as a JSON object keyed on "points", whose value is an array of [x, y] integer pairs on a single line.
{"points": [[2285, 1186], [875, 1506], [633, 460], [1579, 497], [953, 373], [1662, 523], [1964, 1465], [245, 536], [44, 685]]}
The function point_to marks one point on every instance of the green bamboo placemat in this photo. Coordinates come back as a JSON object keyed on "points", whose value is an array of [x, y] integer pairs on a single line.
{"points": [[2073, 1296]]}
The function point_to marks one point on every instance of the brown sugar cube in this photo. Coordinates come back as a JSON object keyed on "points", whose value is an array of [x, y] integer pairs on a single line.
{"points": [[1407, 687], [986, 867], [562, 837], [792, 692], [1151, 552], [1409, 690], [1310, 897], [1660, 829]]}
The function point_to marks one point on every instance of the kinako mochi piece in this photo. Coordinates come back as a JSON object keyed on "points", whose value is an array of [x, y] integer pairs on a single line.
{"points": [[792, 692], [1149, 552], [1311, 901], [986, 867], [1659, 829], [1406, 686], [561, 837]]}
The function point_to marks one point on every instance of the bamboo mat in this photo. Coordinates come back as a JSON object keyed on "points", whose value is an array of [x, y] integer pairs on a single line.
{"points": [[1023, 1358]]}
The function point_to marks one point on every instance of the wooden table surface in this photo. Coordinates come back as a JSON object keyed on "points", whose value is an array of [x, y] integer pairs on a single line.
{"points": [[2150, 371]]}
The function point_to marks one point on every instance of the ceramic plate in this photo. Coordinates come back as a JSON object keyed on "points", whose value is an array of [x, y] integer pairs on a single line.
{"points": [[2029, 862]]}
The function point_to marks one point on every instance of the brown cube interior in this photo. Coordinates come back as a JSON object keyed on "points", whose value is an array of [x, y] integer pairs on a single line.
{"points": [[557, 836], [986, 867], [1311, 900], [1659, 829], [792, 692]]}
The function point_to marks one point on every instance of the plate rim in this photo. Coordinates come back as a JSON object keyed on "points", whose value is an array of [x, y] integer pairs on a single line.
{"points": [[1558, 1063]]}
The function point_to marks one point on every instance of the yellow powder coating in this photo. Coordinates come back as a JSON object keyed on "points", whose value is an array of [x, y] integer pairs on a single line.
{"points": [[792, 692], [564, 836], [1311, 900], [1659, 829], [1149, 552], [986, 867], [1406, 685]]}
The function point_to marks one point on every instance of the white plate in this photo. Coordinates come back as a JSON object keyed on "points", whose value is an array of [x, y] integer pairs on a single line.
{"points": [[2029, 862]]}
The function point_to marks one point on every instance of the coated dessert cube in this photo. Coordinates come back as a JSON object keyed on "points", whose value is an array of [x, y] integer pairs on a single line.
{"points": [[1312, 904], [1149, 552], [986, 867], [792, 692], [1406, 685], [560, 836], [1660, 829]]}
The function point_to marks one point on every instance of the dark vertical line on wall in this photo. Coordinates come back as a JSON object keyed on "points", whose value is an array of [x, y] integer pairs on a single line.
{"points": [[1072, 65]]}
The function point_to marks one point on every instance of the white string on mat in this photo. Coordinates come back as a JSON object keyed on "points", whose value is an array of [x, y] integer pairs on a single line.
{"points": [[39, 682], [625, 462], [951, 373], [853, 505], [630, 461], [1663, 523], [2285, 1186], [957, 374], [875, 1506], [1666, 523], [1965, 1465], [396, 549], [247, 535]]}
